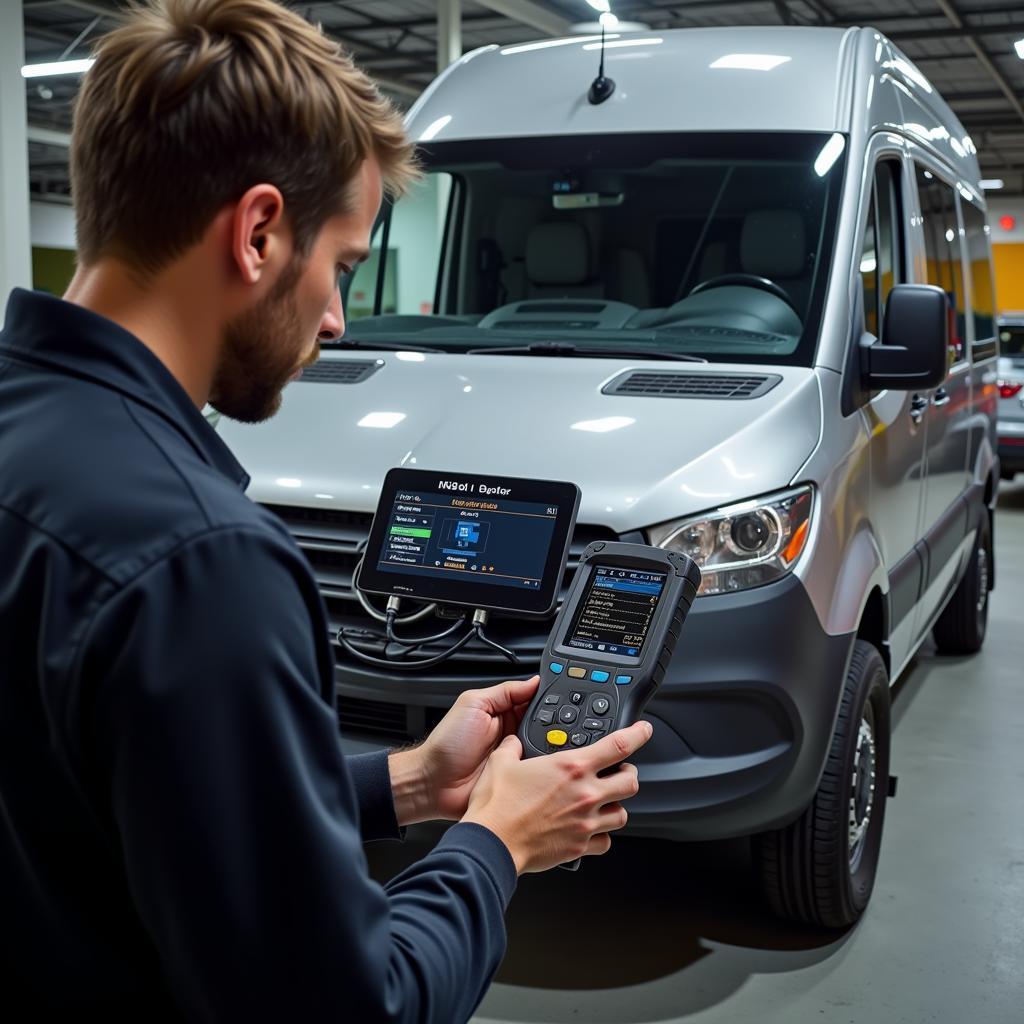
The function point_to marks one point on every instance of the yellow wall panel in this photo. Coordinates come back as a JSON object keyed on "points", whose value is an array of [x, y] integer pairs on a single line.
{"points": [[1009, 261]]}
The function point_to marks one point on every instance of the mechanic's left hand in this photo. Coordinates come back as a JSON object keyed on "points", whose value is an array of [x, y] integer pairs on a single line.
{"points": [[454, 754]]}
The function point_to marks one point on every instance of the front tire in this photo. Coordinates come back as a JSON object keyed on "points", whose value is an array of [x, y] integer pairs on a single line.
{"points": [[821, 869], [960, 629]]}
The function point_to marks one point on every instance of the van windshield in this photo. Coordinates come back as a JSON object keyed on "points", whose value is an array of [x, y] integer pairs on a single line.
{"points": [[713, 246]]}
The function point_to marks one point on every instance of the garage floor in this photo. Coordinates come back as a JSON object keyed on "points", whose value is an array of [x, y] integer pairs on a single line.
{"points": [[656, 931]]}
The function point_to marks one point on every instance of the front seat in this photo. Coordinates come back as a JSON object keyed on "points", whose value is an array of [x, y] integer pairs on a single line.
{"points": [[558, 263], [773, 244]]}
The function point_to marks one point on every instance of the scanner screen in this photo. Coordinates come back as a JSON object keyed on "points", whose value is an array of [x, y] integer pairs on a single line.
{"points": [[615, 614]]}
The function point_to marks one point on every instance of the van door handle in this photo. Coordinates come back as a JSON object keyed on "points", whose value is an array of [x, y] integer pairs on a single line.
{"points": [[941, 397], [918, 405]]}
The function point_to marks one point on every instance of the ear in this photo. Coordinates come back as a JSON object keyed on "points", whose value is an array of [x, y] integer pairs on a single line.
{"points": [[260, 239]]}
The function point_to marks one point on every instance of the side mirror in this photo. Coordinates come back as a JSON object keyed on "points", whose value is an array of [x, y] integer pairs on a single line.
{"points": [[916, 350]]}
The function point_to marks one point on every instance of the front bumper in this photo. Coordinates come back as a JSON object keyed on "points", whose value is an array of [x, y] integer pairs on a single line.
{"points": [[744, 719], [742, 722]]}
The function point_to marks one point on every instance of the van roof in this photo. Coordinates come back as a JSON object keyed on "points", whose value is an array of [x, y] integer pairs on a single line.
{"points": [[700, 80]]}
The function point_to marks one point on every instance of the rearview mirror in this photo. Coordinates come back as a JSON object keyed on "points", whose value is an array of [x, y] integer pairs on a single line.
{"points": [[916, 332]]}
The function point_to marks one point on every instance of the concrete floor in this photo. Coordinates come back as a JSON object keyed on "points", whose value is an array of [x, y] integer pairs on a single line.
{"points": [[656, 931]]}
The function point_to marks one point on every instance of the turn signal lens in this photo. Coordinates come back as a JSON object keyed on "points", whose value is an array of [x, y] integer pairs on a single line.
{"points": [[1007, 389], [743, 545]]}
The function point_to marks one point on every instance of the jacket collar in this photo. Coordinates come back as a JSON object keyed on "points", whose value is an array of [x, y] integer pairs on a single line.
{"points": [[65, 338]]}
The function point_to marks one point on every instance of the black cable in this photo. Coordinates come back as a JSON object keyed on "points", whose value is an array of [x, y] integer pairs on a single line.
{"points": [[478, 629], [403, 666], [413, 642]]}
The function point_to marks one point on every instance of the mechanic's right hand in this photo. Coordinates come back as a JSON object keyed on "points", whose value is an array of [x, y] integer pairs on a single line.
{"points": [[552, 809]]}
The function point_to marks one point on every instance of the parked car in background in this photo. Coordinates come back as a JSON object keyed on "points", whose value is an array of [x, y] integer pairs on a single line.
{"points": [[1010, 427], [1011, 339]]}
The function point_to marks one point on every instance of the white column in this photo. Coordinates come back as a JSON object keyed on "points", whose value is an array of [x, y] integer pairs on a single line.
{"points": [[449, 33], [15, 248], [449, 50]]}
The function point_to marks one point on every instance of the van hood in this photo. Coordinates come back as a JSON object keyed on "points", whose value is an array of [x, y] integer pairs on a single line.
{"points": [[637, 460]]}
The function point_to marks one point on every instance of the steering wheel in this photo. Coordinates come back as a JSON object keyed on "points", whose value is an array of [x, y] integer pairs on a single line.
{"points": [[747, 281]]}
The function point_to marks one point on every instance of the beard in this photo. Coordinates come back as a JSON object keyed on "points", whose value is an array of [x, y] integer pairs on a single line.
{"points": [[261, 353]]}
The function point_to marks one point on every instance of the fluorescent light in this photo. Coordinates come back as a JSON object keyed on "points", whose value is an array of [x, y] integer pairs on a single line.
{"points": [[750, 61], [608, 20], [600, 5], [830, 153], [624, 42], [57, 67], [992, 184], [434, 127], [1019, 47], [381, 420], [602, 426], [546, 44]]}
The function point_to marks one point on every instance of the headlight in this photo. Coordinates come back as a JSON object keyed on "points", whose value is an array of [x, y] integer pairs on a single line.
{"points": [[744, 545]]}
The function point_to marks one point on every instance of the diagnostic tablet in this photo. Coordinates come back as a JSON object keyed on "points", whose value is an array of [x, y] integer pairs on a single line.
{"points": [[490, 542]]}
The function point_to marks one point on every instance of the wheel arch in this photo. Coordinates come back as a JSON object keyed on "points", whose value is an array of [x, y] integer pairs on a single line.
{"points": [[874, 625]]}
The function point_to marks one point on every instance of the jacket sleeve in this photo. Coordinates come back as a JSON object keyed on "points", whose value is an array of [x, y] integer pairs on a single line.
{"points": [[374, 797], [220, 765]]}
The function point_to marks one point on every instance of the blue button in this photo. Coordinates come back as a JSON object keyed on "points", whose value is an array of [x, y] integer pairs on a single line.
{"points": [[622, 680], [556, 667], [598, 676]]}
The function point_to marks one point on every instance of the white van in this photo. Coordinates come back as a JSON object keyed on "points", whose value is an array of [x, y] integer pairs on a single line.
{"points": [[745, 303]]}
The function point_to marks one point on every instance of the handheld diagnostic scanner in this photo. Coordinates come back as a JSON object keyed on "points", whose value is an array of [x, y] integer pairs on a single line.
{"points": [[610, 645]]}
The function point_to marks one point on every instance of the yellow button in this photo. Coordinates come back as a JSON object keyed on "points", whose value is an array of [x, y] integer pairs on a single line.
{"points": [[557, 738], [577, 672]]}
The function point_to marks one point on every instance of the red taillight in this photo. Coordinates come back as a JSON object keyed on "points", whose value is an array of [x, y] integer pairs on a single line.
{"points": [[1008, 389]]}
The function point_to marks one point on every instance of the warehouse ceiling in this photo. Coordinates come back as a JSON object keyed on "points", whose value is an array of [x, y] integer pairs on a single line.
{"points": [[964, 46]]}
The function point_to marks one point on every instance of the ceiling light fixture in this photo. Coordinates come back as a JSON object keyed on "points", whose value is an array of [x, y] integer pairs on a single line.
{"points": [[57, 67], [991, 184], [1019, 47]]}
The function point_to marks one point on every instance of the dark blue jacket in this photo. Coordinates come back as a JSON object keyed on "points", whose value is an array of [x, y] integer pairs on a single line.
{"points": [[180, 832]]}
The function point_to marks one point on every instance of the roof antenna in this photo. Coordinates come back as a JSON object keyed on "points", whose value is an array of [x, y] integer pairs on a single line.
{"points": [[601, 88]]}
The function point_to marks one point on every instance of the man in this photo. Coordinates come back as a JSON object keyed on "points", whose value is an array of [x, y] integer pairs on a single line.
{"points": [[180, 833]]}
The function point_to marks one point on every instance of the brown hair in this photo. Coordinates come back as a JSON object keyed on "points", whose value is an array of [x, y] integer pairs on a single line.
{"points": [[191, 102]]}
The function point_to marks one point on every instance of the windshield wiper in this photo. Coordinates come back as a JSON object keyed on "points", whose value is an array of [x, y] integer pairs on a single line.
{"points": [[382, 346], [566, 348]]}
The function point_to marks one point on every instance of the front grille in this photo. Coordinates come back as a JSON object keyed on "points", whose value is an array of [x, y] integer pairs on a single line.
{"points": [[653, 384], [375, 717], [332, 541]]}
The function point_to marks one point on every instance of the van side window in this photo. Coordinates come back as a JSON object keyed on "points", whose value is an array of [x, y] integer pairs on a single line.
{"points": [[881, 259], [942, 250], [983, 299]]}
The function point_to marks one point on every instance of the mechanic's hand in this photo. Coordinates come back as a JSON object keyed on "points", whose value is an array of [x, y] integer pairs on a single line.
{"points": [[555, 808], [454, 754]]}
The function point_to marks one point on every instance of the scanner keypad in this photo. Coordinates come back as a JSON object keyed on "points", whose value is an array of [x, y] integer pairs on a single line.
{"points": [[577, 717]]}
